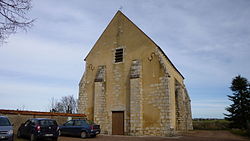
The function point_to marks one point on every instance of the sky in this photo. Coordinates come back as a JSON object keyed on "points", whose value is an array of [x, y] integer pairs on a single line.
{"points": [[208, 42]]}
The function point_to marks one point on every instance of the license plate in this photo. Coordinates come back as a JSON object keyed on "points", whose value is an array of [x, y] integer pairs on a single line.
{"points": [[2, 137], [48, 135]]}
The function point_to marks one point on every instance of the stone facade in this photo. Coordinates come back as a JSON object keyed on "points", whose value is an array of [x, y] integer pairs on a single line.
{"points": [[136, 105], [126, 72]]}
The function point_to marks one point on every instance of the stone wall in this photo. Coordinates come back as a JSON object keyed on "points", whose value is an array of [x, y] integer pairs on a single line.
{"points": [[188, 110], [117, 96], [159, 99], [100, 104], [183, 109], [100, 112], [83, 96], [180, 109], [136, 116]]}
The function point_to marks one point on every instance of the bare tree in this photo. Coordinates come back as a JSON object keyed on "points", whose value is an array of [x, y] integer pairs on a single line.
{"points": [[13, 16], [67, 104], [52, 105]]}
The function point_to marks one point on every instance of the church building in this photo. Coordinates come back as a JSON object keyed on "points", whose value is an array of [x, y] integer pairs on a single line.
{"points": [[130, 86]]}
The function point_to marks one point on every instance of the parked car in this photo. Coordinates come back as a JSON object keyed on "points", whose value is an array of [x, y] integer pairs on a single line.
{"points": [[79, 127], [38, 128], [6, 129]]}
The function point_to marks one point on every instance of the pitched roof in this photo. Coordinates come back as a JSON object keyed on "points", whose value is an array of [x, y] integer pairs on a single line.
{"points": [[119, 12]]}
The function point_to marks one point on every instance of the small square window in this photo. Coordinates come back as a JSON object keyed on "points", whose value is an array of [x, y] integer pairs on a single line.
{"points": [[118, 55]]}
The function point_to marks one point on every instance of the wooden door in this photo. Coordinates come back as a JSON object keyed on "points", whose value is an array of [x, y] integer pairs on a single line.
{"points": [[118, 123]]}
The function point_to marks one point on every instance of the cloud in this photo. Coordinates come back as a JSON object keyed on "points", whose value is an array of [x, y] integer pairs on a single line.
{"points": [[41, 57], [35, 70], [31, 96]]}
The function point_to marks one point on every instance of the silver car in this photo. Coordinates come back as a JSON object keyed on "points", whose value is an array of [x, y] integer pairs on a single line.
{"points": [[6, 129]]}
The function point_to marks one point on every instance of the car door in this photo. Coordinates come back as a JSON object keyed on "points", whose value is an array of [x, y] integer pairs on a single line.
{"points": [[78, 127], [67, 127], [26, 128], [30, 127]]}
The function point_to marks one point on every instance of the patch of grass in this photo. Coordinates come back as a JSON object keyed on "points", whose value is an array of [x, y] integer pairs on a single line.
{"points": [[240, 132], [211, 124]]}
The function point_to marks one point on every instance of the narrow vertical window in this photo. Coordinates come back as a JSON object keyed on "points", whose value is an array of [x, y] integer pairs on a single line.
{"points": [[118, 55]]}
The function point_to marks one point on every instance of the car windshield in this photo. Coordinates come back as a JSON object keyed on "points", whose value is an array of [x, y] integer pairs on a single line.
{"points": [[47, 122], [4, 122], [80, 122]]}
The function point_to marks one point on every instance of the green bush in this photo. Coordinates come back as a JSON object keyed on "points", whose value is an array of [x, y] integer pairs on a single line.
{"points": [[240, 132], [211, 124], [248, 128]]}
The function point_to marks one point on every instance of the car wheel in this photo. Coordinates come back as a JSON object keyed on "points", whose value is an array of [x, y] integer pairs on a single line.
{"points": [[83, 135], [32, 137], [19, 134]]}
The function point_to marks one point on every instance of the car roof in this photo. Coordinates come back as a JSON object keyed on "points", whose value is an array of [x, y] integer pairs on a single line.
{"points": [[78, 119], [3, 117], [41, 119]]}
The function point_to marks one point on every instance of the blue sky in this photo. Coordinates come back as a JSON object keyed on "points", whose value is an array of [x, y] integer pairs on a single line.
{"points": [[208, 41]]}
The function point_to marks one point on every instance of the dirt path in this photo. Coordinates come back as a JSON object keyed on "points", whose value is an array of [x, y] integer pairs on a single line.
{"points": [[197, 135]]}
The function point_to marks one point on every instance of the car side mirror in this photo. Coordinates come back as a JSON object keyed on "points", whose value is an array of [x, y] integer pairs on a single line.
{"points": [[12, 124]]}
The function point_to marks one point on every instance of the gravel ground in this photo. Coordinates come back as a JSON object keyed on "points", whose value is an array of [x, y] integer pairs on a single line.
{"points": [[190, 136]]}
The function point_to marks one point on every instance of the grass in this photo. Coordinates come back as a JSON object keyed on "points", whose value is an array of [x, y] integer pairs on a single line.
{"points": [[217, 124], [240, 132]]}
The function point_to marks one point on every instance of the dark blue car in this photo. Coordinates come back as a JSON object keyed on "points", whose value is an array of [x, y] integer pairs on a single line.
{"points": [[38, 128], [79, 127]]}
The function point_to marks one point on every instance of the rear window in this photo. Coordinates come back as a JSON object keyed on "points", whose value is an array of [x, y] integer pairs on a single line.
{"points": [[89, 121], [4, 122], [47, 122], [80, 122]]}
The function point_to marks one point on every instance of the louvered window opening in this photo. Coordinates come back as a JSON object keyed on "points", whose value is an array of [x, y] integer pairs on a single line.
{"points": [[119, 55]]}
